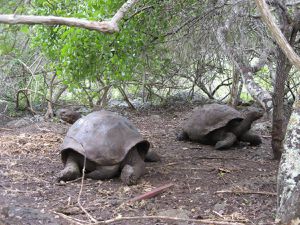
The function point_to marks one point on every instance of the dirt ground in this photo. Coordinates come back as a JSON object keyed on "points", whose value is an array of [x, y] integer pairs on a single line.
{"points": [[237, 186]]}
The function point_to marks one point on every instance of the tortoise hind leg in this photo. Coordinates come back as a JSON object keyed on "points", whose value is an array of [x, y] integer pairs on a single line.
{"points": [[226, 142], [133, 167], [253, 139], [103, 172], [71, 170]]}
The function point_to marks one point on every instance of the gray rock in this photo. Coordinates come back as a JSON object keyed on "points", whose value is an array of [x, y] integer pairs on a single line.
{"points": [[179, 213]]}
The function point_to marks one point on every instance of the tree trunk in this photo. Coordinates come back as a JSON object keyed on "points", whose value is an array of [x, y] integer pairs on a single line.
{"points": [[103, 100], [125, 97], [278, 131], [288, 187], [234, 92], [144, 87]]}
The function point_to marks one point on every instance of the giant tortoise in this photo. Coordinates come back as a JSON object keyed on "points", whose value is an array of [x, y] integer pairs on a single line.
{"points": [[219, 125], [107, 144]]}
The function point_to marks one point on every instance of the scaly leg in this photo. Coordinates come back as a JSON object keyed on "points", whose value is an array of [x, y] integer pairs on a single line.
{"points": [[227, 142], [253, 139], [103, 172], [133, 167], [71, 170]]}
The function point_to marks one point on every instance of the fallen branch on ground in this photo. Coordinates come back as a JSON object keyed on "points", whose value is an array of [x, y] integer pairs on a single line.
{"points": [[151, 193], [201, 221], [247, 192], [6, 129], [118, 219]]}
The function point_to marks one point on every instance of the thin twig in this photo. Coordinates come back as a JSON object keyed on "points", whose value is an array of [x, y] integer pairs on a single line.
{"points": [[118, 219], [248, 192], [81, 186], [218, 214], [71, 219], [202, 221], [6, 129]]}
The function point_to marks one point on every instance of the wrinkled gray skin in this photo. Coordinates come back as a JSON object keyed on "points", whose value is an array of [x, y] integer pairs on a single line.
{"points": [[112, 146], [219, 125]]}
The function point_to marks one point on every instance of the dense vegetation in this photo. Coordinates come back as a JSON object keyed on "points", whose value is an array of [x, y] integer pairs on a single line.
{"points": [[164, 49]]}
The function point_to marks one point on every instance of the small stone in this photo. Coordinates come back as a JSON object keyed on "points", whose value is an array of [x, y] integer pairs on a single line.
{"points": [[62, 182]]}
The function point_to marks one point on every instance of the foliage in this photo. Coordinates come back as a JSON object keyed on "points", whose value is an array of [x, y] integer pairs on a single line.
{"points": [[163, 48], [83, 58]]}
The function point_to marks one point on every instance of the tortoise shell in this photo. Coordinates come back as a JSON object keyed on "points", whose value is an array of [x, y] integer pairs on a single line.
{"points": [[207, 118], [103, 137]]}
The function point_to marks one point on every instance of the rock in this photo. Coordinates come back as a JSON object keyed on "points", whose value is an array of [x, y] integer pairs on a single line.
{"points": [[263, 128], [179, 213], [25, 215], [220, 207]]}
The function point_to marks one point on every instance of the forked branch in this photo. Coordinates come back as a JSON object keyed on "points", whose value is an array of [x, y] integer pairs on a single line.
{"points": [[109, 26]]}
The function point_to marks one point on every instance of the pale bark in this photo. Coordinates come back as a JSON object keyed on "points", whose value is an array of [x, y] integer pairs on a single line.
{"points": [[109, 26], [288, 186], [257, 92], [262, 96], [121, 12], [104, 26], [277, 34]]}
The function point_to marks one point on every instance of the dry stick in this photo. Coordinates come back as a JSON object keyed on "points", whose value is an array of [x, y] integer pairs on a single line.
{"points": [[81, 186], [71, 219], [223, 158], [6, 129], [203, 221], [118, 219], [104, 26], [151, 193], [248, 192]]}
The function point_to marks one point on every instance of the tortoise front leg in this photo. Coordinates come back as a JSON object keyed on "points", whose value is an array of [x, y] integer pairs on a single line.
{"points": [[226, 142], [133, 167], [253, 139], [103, 172], [71, 170]]}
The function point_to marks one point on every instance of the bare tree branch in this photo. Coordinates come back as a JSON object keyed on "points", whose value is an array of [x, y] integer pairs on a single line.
{"points": [[121, 12], [109, 26], [277, 34]]}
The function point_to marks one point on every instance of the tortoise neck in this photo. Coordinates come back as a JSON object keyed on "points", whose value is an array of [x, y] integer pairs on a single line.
{"points": [[244, 125]]}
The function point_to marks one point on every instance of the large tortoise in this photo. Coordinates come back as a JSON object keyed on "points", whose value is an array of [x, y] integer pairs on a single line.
{"points": [[112, 146], [219, 125]]}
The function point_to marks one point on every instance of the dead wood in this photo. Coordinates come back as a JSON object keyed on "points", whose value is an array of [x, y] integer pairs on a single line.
{"points": [[152, 193], [247, 192]]}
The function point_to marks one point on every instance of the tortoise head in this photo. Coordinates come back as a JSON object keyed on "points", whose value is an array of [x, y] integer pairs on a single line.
{"points": [[254, 115], [68, 115]]}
